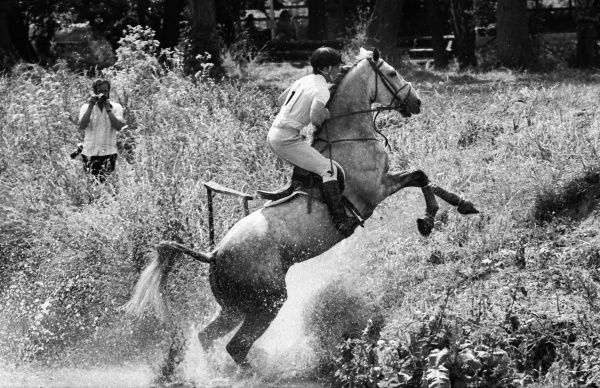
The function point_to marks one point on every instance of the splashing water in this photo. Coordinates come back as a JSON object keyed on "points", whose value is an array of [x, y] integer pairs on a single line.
{"points": [[280, 356]]}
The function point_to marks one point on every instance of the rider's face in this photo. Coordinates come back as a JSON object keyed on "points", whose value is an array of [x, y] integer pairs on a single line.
{"points": [[330, 72]]}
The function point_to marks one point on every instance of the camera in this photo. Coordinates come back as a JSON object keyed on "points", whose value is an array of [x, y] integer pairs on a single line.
{"points": [[77, 151], [102, 98]]}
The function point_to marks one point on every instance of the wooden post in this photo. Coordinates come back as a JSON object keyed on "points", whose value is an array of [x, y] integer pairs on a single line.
{"points": [[245, 206], [213, 187], [272, 20], [211, 221]]}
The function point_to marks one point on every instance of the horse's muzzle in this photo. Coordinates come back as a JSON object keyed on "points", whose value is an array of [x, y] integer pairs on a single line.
{"points": [[411, 108]]}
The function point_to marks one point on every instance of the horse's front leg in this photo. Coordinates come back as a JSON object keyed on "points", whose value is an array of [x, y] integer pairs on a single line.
{"points": [[462, 205], [417, 178], [395, 181]]}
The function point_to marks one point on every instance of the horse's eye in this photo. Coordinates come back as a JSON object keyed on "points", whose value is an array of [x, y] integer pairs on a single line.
{"points": [[393, 74]]}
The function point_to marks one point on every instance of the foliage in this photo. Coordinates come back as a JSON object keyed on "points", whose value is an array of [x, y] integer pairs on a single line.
{"points": [[496, 299], [72, 249], [516, 300]]}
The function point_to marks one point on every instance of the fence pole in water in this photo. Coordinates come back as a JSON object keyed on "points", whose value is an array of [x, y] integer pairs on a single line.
{"points": [[211, 225], [245, 205]]}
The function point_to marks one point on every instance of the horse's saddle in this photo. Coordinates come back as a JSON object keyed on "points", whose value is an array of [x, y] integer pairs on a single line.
{"points": [[307, 183]]}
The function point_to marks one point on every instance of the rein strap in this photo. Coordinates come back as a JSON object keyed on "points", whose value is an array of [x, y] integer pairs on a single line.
{"points": [[392, 89]]}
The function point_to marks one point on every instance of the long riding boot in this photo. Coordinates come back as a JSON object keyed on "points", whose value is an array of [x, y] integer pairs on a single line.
{"points": [[333, 200]]}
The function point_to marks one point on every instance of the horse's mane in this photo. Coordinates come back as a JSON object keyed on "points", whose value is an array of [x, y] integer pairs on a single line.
{"points": [[337, 81], [364, 54], [344, 70]]}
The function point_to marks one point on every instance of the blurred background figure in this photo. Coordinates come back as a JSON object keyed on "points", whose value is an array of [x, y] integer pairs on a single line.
{"points": [[100, 119], [285, 30]]}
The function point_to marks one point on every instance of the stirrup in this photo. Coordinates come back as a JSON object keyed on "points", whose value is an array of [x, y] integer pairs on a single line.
{"points": [[283, 192]]}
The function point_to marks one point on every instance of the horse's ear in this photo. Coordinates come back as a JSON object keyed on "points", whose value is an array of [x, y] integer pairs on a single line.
{"points": [[376, 54]]}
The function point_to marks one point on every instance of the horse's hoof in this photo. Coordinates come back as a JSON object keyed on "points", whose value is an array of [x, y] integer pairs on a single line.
{"points": [[466, 207], [425, 227]]}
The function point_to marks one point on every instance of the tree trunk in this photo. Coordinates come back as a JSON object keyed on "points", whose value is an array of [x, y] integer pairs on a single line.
{"points": [[464, 32], [512, 41], [141, 10], [7, 51], [83, 14], [228, 14], [317, 20], [203, 37], [14, 35], [172, 17], [586, 54], [440, 56], [384, 27]]}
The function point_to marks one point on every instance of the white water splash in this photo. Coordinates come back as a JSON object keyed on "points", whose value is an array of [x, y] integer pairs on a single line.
{"points": [[280, 356], [283, 352], [129, 376]]}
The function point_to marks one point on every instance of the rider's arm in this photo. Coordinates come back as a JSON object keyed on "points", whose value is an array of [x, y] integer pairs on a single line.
{"points": [[84, 116], [282, 98], [318, 113], [115, 115]]}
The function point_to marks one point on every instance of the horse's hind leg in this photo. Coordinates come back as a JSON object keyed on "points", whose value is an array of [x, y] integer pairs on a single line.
{"points": [[255, 324], [225, 322]]}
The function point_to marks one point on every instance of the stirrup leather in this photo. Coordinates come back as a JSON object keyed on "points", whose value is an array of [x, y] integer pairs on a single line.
{"points": [[282, 192]]}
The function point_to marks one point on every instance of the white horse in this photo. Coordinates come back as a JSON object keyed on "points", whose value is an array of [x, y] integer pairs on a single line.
{"points": [[248, 267]]}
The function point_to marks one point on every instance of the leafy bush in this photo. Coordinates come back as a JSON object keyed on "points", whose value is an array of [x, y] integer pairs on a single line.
{"points": [[71, 249]]}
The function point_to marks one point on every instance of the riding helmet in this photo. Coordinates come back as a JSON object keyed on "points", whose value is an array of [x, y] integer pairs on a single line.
{"points": [[325, 56]]}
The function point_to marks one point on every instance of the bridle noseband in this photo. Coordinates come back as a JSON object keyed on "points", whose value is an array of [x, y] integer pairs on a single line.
{"points": [[389, 86]]}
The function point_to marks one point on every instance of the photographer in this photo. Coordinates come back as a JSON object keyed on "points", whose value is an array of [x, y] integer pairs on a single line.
{"points": [[101, 118]]}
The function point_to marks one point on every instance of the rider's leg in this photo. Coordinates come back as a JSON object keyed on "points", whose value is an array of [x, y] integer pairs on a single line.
{"points": [[288, 145], [333, 199]]}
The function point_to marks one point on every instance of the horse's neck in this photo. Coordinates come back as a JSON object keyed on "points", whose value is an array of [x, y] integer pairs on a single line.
{"points": [[360, 159], [353, 95]]}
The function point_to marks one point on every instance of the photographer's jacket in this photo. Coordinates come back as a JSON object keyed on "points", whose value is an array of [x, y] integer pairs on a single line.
{"points": [[100, 137]]}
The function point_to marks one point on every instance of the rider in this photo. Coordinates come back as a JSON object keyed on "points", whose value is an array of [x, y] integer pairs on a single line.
{"points": [[301, 104]]}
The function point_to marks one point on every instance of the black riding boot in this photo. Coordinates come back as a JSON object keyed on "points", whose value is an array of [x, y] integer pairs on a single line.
{"points": [[333, 200]]}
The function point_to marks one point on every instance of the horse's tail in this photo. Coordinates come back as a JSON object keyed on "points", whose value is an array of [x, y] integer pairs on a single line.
{"points": [[148, 290]]}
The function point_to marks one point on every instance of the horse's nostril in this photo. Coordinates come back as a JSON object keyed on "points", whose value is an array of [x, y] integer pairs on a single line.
{"points": [[419, 102]]}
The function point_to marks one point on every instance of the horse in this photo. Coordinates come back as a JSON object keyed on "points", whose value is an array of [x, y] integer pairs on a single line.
{"points": [[248, 266]]}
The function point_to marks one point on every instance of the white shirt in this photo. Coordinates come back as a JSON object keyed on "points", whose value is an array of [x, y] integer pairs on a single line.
{"points": [[295, 111], [100, 137]]}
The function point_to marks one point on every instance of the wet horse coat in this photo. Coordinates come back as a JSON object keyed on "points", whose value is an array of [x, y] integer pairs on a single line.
{"points": [[248, 267]]}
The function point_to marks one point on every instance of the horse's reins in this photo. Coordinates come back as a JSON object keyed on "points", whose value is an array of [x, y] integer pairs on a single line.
{"points": [[391, 88]]}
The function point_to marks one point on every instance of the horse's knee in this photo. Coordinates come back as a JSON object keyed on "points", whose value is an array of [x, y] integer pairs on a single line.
{"points": [[420, 178]]}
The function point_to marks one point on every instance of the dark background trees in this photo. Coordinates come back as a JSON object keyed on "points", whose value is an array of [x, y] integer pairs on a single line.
{"points": [[512, 40], [384, 25], [463, 23], [27, 27]]}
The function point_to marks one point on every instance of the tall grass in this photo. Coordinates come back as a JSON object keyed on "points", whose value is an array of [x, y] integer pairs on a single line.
{"points": [[71, 250], [516, 145]]}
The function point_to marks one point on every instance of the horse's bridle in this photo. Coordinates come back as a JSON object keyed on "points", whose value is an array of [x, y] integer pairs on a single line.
{"points": [[389, 86], [395, 96]]}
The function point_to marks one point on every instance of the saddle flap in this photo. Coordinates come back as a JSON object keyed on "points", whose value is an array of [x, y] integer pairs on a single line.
{"points": [[302, 180]]}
